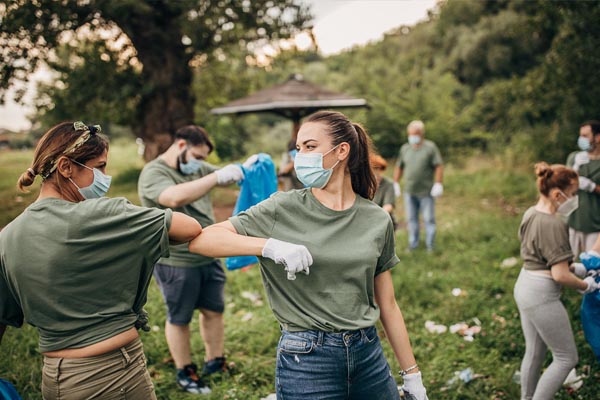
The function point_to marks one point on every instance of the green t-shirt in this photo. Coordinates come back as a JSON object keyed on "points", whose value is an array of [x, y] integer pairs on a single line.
{"points": [[385, 193], [544, 240], [418, 166], [79, 272], [349, 248], [155, 178], [586, 218]]}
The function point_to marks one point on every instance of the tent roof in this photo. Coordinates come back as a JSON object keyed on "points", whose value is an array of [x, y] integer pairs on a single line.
{"points": [[294, 99]]}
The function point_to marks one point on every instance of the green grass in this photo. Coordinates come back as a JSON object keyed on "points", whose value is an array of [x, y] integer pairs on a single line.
{"points": [[478, 217]]}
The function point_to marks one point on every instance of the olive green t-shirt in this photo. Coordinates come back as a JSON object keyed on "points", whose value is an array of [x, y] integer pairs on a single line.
{"points": [[79, 272], [418, 166], [155, 178], [385, 193], [349, 248], [586, 218], [544, 240]]}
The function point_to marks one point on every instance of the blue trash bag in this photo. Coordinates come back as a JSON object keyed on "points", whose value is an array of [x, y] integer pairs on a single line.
{"points": [[260, 182], [8, 391], [590, 307], [590, 319]]}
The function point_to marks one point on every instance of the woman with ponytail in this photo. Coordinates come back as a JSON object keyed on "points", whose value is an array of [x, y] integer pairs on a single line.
{"points": [[77, 265], [337, 282], [547, 266]]}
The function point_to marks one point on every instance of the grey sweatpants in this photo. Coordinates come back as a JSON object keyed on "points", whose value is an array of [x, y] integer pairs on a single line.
{"points": [[545, 325]]}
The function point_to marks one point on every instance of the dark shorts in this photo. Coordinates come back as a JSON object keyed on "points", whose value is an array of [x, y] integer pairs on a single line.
{"points": [[188, 289]]}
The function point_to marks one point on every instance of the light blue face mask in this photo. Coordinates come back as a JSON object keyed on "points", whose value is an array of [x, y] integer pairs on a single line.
{"points": [[191, 166], [99, 186], [310, 171], [584, 143], [414, 139]]}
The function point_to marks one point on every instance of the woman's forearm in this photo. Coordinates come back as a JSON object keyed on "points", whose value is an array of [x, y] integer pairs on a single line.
{"points": [[395, 330], [221, 240]]}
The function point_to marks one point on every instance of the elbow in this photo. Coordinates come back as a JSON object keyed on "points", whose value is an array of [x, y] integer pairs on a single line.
{"points": [[195, 230], [561, 277]]}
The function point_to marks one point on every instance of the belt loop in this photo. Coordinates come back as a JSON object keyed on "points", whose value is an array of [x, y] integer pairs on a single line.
{"points": [[125, 355], [57, 377], [320, 338]]}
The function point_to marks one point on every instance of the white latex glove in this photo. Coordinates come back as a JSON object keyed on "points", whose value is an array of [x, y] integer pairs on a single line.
{"points": [[413, 384], [579, 270], [586, 184], [592, 285], [581, 158], [251, 160], [437, 190], [397, 190], [229, 174], [294, 257]]}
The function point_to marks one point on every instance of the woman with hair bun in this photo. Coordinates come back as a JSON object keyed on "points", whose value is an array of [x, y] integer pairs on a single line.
{"points": [[329, 347], [547, 259], [77, 265]]}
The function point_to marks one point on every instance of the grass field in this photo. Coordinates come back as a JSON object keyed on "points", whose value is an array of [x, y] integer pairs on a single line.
{"points": [[478, 217]]}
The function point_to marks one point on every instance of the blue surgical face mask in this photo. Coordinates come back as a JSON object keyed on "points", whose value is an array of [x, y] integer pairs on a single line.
{"points": [[584, 143], [98, 188], [414, 139], [310, 171], [191, 166]]}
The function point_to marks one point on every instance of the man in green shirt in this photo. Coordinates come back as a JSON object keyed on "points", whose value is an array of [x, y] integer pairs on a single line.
{"points": [[584, 222], [420, 163], [180, 179]]}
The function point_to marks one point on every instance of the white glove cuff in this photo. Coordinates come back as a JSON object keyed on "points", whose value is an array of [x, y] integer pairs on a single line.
{"points": [[268, 250]]}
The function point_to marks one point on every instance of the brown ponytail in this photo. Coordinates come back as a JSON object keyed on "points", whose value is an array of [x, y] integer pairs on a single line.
{"points": [[341, 129], [554, 176], [53, 144]]}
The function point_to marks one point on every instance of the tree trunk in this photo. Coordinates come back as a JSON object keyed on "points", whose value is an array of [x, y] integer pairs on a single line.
{"points": [[166, 102]]}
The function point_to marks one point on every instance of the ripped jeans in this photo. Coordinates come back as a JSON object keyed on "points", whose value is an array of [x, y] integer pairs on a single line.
{"points": [[334, 366]]}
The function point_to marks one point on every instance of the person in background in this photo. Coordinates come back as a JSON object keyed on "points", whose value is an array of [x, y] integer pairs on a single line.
{"points": [[420, 164], [384, 196], [584, 223], [547, 256], [181, 179], [77, 266], [337, 281], [287, 174]]}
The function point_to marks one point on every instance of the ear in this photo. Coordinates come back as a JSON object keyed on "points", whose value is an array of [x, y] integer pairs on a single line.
{"points": [[343, 151], [181, 144], [64, 167]]}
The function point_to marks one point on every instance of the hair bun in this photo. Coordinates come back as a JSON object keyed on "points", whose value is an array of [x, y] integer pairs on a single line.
{"points": [[543, 170]]}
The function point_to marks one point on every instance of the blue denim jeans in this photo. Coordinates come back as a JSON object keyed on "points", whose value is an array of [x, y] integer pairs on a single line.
{"points": [[333, 366], [412, 205]]}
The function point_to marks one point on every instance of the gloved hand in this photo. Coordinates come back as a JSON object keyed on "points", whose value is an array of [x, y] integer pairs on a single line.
{"points": [[581, 158], [295, 258], [590, 259], [579, 270], [586, 184], [592, 285], [413, 384], [229, 174], [251, 160], [397, 190], [437, 190]]}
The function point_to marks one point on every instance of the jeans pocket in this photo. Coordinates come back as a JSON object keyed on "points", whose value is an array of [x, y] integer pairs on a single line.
{"points": [[295, 344], [371, 335]]}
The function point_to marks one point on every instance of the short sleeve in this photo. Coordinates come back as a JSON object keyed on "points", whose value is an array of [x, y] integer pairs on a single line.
{"points": [[436, 156], [388, 257], [555, 247], [153, 181], [10, 311], [389, 197], [571, 159], [208, 168], [150, 228], [258, 220]]}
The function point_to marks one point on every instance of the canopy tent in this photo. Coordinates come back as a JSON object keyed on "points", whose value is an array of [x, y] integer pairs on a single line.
{"points": [[293, 99]]}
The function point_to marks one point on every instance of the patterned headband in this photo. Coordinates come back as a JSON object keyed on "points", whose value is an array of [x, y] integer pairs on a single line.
{"points": [[88, 132]]}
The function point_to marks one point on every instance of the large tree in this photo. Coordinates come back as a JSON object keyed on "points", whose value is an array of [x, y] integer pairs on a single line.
{"points": [[157, 41]]}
